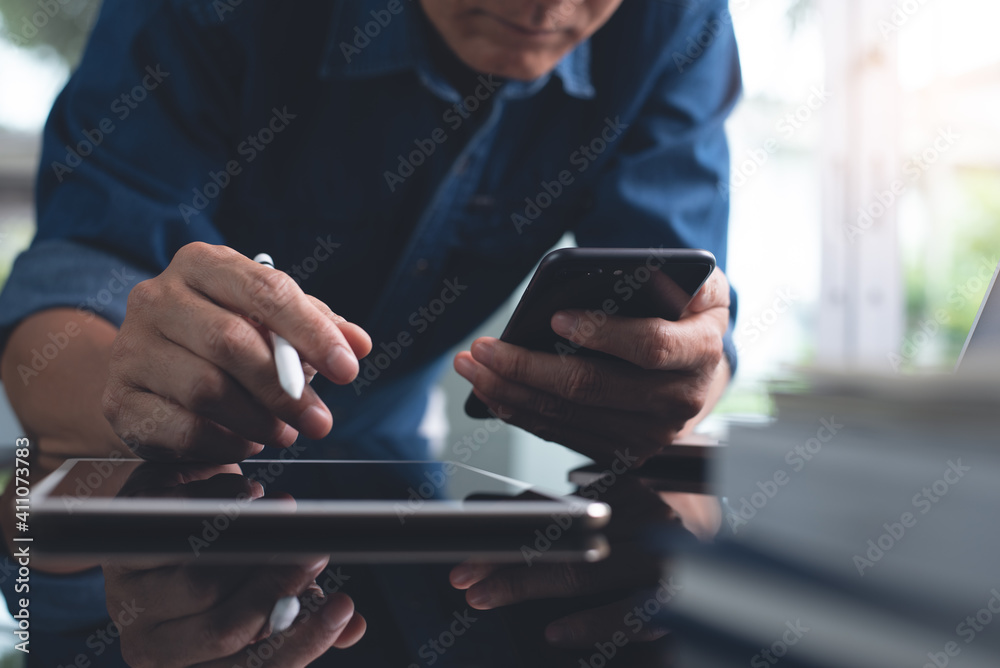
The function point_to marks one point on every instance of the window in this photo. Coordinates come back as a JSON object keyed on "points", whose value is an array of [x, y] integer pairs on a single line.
{"points": [[861, 233], [39, 42]]}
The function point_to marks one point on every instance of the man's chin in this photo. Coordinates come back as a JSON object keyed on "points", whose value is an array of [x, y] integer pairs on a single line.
{"points": [[523, 66]]}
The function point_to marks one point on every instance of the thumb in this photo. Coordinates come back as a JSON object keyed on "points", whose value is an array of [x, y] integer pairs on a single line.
{"points": [[713, 294]]}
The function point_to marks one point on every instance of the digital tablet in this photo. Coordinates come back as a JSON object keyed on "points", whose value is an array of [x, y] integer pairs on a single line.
{"points": [[356, 511]]}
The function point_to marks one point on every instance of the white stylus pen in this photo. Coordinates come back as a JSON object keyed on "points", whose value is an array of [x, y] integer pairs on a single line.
{"points": [[286, 358], [284, 613]]}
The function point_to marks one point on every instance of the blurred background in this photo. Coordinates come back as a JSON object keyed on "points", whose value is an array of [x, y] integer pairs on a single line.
{"points": [[844, 99]]}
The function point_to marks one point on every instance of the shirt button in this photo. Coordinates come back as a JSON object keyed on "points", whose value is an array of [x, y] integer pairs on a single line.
{"points": [[421, 267], [462, 165]]}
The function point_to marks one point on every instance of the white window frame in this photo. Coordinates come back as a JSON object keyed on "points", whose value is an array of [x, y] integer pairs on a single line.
{"points": [[861, 310]]}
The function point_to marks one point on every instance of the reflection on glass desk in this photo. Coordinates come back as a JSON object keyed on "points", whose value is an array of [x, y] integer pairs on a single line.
{"points": [[355, 511], [507, 615]]}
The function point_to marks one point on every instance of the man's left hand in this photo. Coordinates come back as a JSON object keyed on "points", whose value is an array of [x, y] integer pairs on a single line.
{"points": [[667, 374]]}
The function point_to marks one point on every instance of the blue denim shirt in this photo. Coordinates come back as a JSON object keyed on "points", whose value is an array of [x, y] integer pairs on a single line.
{"points": [[327, 134]]}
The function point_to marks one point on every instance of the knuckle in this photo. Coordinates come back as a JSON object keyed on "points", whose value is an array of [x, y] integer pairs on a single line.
{"points": [[515, 365], [324, 309], [199, 256], [657, 398], [171, 291], [111, 405], [656, 440], [193, 249], [270, 291], [229, 338], [124, 352], [587, 332], [319, 332], [120, 349], [583, 383], [505, 587], [718, 286], [715, 352], [273, 430], [207, 391], [710, 290], [188, 436], [202, 592], [688, 404], [274, 398], [141, 296], [654, 350], [490, 385], [198, 252]]}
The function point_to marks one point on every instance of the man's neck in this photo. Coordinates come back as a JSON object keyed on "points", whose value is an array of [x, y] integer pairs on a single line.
{"points": [[463, 78]]}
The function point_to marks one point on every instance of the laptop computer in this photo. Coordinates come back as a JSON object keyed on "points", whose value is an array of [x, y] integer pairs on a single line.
{"points": [[983, 343]]}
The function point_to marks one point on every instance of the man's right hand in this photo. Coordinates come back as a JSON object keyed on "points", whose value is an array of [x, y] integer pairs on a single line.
{"points": [[192, 374], [187, 614]]}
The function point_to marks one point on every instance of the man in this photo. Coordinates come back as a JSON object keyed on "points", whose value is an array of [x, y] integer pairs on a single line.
{"points": [[407, 163]]}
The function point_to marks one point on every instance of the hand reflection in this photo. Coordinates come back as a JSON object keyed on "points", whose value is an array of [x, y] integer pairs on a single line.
{"points": [[192, 613], [190, 481], [614, 598]]}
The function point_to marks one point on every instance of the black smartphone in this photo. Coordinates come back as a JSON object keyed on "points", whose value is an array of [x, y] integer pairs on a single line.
{"points": [[678, 467], [632, 282]]}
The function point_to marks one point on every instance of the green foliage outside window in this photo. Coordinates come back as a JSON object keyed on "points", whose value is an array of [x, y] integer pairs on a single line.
{"points": [[61, 26]]}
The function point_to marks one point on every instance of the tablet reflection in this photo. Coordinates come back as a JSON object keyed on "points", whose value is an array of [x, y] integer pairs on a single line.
{"points": [[551, 613]]}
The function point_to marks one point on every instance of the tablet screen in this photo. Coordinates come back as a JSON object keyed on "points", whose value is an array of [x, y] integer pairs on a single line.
{"points": [[101, 482]]}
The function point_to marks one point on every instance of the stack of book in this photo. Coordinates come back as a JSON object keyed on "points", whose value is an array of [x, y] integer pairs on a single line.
{"points": [[862, 529]]}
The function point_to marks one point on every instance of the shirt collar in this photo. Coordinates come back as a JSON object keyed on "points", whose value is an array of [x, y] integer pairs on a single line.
{"points": [[367, 40]]}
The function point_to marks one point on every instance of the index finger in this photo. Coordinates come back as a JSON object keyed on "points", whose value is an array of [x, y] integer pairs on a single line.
{"points": [[273, 299], [649, 343], [654, 343]]}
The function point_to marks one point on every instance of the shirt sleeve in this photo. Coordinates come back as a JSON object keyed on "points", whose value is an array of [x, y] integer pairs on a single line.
{"points": [[141, 123], [67, 274], [664, 186]]}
